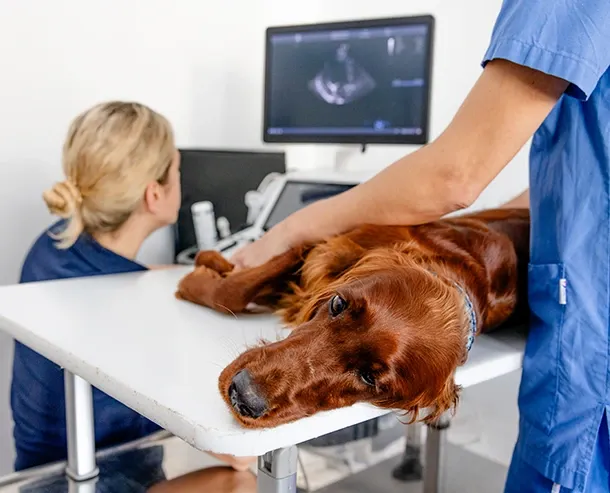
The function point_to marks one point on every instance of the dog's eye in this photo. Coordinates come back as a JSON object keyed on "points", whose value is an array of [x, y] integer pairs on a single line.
{"points": [[367, 378], [336, 305]]}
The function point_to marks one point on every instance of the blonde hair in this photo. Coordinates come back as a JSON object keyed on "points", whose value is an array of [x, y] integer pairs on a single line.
{"points": [[112, 152]]}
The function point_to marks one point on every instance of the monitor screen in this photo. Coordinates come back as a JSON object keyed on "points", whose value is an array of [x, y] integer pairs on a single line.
{"points": [[298, 194], [349, 82]]}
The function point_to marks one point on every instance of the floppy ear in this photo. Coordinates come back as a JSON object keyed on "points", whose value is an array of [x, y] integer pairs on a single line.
{"points": [[429, 406], [329, 261], [325, 265], [446, 402]]}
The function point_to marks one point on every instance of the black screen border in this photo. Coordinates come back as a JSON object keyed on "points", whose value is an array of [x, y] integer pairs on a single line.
{"points": [[363, 139]]}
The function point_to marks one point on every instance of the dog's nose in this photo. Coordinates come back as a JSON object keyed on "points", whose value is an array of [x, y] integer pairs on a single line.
{"points": [[244, 396]]}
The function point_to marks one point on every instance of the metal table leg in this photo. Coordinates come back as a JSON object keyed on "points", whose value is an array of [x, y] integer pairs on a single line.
{"points": [[82, 486], [410, 468], [277, 471], [435, 455], [80, 428]]}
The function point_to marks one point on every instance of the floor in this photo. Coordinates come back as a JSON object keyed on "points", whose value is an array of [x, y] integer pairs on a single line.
{"points": [[487, 420], [135, 471], [465, 472], [481, 440]]}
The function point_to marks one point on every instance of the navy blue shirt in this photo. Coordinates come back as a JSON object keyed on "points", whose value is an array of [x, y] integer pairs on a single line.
{"points": [[37, 391]]}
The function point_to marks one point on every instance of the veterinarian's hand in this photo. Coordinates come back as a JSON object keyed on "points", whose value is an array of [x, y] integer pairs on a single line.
{"points": [[316, 222], [273, 243]]}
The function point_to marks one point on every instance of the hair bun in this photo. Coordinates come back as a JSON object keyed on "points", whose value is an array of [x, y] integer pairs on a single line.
{"points": [[63, 199]]}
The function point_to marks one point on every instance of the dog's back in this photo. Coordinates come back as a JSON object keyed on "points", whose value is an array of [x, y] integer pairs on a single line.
{"points": [[490, 247], [514, 224]]}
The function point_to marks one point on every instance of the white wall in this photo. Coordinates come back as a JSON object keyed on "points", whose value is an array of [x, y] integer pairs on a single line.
{"points": [[201, 64]]}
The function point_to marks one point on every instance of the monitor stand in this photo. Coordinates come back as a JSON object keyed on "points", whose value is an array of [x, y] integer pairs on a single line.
{"points": [[300, 157]]}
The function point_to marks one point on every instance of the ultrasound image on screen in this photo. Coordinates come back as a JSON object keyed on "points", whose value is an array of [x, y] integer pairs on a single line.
{"points": [[352, 81], [342, 80], [297, 195]]}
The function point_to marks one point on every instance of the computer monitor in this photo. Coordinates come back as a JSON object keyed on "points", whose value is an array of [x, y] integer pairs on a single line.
{"points": [[362, 82], [223, 177]]}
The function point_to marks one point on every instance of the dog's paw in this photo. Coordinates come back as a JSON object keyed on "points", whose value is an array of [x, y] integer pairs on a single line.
{"points": [[213, 260], [199, 286]]}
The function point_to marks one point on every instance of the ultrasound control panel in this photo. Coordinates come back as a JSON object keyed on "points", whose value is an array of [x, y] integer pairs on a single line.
{"points": [[292, 195]]}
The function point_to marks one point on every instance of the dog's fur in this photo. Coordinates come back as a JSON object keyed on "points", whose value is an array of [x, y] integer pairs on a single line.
{"points": [[403, 329]]}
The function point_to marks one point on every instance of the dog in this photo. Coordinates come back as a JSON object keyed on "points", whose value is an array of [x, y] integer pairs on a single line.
{"points": [[381, 314]]}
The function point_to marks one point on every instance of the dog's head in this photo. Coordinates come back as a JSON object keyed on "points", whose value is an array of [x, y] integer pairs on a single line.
{"points": [[387, 332]]}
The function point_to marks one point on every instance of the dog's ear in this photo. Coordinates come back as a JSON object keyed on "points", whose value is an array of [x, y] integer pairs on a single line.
{"points": [[447, 401], [326, 263], [430, 405], [329, 261]]}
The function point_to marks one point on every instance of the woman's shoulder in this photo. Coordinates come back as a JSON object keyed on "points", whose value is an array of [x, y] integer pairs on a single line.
{"points": [[45, 261]]}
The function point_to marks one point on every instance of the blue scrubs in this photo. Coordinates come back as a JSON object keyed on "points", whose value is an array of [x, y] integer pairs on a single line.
{"points": [[37, 391], [564, 396]]}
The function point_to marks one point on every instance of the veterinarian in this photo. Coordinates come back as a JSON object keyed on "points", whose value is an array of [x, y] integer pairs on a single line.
{"points": [[546, 74], [122, 183]]}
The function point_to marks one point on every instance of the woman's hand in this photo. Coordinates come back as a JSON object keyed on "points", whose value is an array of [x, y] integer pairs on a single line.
{"points": [[275, 242], [311, 224]]}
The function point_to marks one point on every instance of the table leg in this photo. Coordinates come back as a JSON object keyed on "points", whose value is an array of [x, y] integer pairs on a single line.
{"points": [[277, 471], [410, 468], [88, 486], [436, 455], [80, 428]]}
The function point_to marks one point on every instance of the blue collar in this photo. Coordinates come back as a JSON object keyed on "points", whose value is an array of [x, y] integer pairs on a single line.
{"points": [[472, 316]]}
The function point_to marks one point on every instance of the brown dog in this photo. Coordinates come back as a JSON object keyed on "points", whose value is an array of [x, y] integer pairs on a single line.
{"points": [[382, 314]]}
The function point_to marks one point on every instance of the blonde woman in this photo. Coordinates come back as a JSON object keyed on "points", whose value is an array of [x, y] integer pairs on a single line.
{"points": [[122, 182]]}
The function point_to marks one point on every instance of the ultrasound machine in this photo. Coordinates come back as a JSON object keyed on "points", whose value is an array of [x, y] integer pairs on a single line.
{"points": [[358, 82], [291, 192]]}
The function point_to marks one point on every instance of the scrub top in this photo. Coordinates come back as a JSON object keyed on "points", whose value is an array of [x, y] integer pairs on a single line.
{"points": [[37, 390], [564, 397]]}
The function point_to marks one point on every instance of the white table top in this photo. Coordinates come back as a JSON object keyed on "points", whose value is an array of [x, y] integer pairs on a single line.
{"points": [[128, 336]]}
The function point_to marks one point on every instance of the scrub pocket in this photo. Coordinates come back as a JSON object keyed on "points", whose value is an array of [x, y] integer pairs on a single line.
{"points": [[547, 297]]}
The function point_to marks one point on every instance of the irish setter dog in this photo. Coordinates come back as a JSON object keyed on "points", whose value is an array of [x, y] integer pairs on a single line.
{"points": [[382, 314]]}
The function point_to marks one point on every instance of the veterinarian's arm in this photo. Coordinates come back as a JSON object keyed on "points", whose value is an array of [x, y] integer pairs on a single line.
{"points": [[502, 111], [521, 201]]}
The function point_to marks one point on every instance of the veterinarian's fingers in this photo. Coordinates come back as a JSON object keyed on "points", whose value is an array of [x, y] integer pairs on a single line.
{"points": [[248, 259], [238, 259], [261, 251]]}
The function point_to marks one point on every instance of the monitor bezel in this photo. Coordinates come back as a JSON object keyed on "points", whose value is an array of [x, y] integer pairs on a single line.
{"points": [[421, 139]]}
